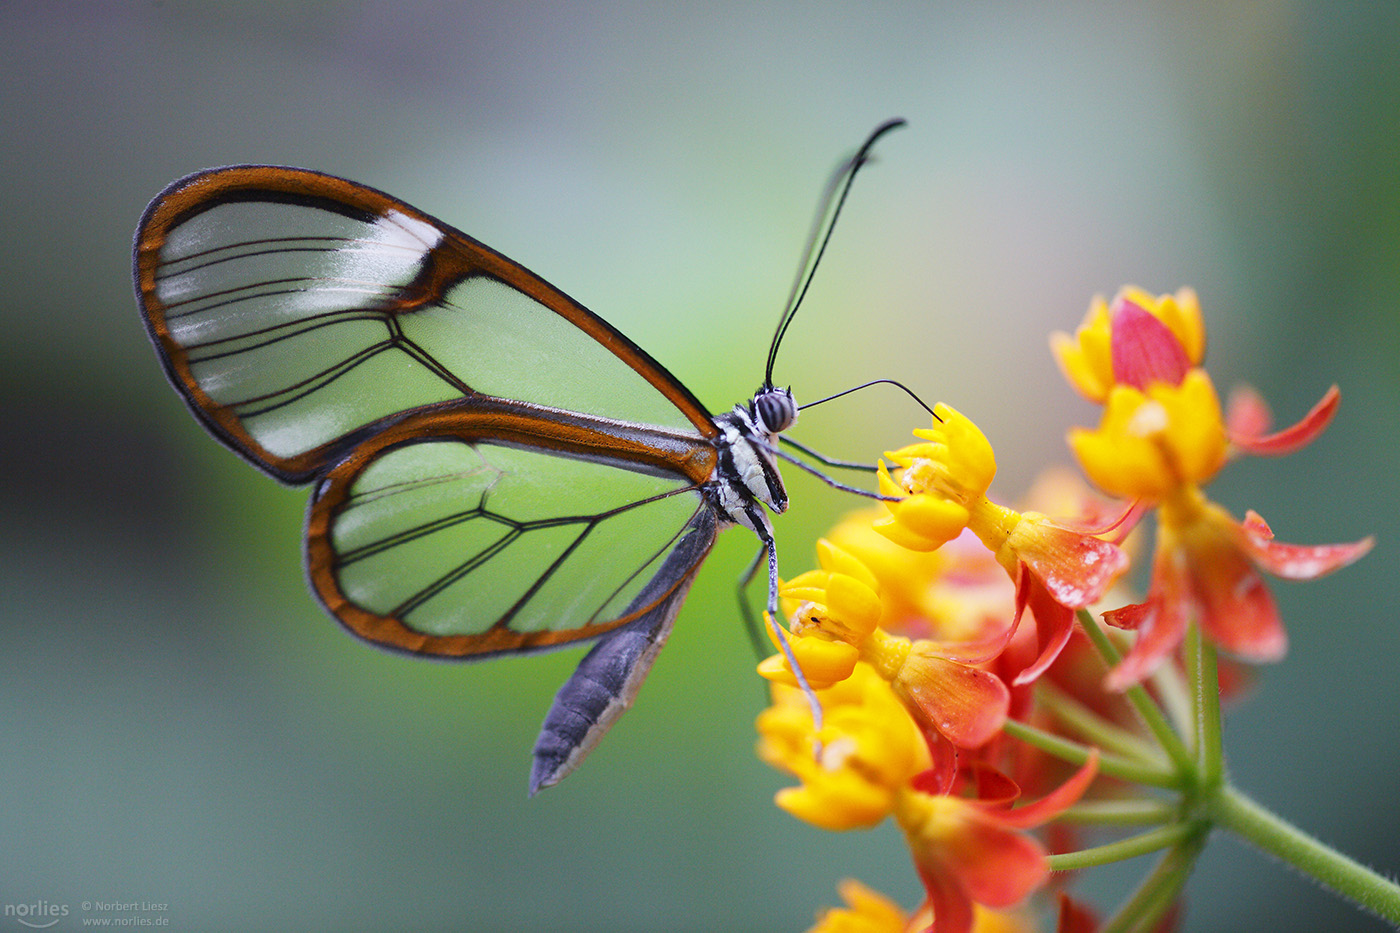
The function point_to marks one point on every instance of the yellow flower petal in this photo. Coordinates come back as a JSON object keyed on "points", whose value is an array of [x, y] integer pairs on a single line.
{"points": [[1121, 465], [868, 912], [1199, 438], [836, 559], [1148, 445], [1086, 359], [851, 771], [823, 662], [969, 459], [1181, 313], [837, 801], [809, 587], [853, 608]]}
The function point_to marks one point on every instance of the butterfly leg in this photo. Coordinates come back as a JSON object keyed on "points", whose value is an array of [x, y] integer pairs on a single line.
{"points": [[756, 639], [779, 633]]}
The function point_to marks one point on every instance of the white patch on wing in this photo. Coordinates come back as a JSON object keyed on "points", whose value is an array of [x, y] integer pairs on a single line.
{"points": [[389, 253], [409, 230], [288, 436]]}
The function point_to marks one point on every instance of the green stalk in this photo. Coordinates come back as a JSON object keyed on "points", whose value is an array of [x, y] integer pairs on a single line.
{"points": [[1142, 701], [1174, 696], [1135, 811], [1209, 740], [1064, 749], [1160, 889], [1198, 774], [1347, 877], [1094, 728], [1142, 844]]}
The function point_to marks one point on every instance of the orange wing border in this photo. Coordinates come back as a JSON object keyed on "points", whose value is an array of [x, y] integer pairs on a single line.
{"points": [[456, 257], [496, 421]]}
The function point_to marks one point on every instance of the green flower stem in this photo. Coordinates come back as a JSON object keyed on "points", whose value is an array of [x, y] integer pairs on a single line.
{"points": [[1207, 800], [1170, 687], [1141, 844], [1209, 740], [1234, 811], [1094, 728], [1134, 811], [1142, 701], [1126, 769], [1144, 911]]}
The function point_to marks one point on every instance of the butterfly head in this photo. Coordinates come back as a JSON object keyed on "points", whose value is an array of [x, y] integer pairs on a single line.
{"points": [[773, 410]]}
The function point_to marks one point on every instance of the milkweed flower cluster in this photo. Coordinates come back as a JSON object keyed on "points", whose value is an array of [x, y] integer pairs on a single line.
{"points": [[1163, 436], [939, 634], [869, 762]]}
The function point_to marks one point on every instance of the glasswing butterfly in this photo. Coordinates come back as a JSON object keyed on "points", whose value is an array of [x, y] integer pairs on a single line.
{"points": [[494, 468]]}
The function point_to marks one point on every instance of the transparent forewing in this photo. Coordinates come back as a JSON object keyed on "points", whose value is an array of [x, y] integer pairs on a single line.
{"points": [[457, 546], [535, 356], [295, 309], [286, 333]]}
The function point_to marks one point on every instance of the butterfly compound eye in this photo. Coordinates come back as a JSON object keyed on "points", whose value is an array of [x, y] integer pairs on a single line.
{"points": [[775, 409]]}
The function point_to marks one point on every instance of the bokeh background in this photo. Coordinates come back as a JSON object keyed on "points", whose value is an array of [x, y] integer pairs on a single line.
{"points": [[181, 724]]}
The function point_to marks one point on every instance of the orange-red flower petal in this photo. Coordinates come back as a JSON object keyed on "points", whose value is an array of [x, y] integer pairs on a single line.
{"points": [[965, 704], [1054, 623], [964, 855], [1208, 567], [1296, 561], [1249, 419], [1076, 568], [1145, 351]]}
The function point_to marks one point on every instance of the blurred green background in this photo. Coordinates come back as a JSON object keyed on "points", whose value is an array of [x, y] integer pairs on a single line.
{"points": [[182, 725]]}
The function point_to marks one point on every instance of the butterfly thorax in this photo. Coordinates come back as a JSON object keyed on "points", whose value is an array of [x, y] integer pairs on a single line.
{"points": [[746, 474]]}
